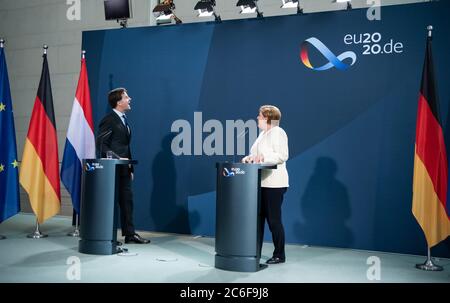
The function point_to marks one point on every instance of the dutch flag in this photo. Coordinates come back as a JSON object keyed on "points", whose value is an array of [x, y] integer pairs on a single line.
{"points": [[80, 141]]}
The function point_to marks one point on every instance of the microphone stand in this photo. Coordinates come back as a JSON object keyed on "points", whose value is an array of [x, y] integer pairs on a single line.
{"points": [[101, 138], [243, 133]]}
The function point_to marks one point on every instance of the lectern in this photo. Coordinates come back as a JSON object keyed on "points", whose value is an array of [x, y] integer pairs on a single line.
{"points": [[238, 216], [99, 205]]}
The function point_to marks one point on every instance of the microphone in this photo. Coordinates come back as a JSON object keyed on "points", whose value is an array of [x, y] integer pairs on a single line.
{"points": [[102, 137], [242, 134]]}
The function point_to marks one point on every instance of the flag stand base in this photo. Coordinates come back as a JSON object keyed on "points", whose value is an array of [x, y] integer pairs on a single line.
{"points": [[2, 237], [75, 233], [37, 233], [429, 265]]}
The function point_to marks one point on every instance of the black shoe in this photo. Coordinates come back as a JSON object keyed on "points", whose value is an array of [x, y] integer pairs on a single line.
{"points": [[275, 260], [120, 250], [118, 243], [136, 239]]}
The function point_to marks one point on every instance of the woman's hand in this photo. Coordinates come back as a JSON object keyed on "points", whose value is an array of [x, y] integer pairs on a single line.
{"points": [[248, 159], [251, 159], [259, 159]]}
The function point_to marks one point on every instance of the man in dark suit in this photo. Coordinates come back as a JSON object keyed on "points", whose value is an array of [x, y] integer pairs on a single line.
{"points": [[114, 137]]}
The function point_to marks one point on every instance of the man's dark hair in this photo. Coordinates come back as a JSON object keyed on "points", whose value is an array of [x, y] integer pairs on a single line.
{"points": [[115, 96]]}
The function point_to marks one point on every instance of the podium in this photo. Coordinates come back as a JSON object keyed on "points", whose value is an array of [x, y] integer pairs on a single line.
{"points": [[99, 205], [239, 224]]}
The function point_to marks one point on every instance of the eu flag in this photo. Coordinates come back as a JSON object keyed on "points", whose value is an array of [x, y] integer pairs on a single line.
{"points": [[9, 174]]}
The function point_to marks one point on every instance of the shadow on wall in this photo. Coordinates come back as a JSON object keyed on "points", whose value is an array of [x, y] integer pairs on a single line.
{"points": [[166, 213], [325, 206]]}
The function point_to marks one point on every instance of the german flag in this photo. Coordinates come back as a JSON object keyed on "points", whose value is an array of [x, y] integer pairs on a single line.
{"points": [[430, 161], [39, 172]]}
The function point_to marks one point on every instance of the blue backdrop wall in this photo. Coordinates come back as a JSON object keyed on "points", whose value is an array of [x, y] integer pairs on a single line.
{"points": [[351, 132]]}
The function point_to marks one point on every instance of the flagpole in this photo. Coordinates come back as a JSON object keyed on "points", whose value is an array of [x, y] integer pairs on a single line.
{"points": [[2, 45], [76, 232], [429, 265], [37, 233]]}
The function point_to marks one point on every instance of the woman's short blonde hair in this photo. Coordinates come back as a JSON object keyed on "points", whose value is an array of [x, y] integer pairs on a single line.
{"points": [[272, 113]]}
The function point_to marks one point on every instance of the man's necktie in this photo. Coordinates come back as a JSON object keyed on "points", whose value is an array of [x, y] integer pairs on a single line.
{"points": [[126, 122]]}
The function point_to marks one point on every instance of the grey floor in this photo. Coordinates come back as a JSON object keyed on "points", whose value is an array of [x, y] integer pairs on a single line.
{"points": [[181, 258]]}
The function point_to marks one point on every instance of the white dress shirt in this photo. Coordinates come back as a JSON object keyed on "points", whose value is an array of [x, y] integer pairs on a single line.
{"points": [[273, 146], [121, 115]]}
